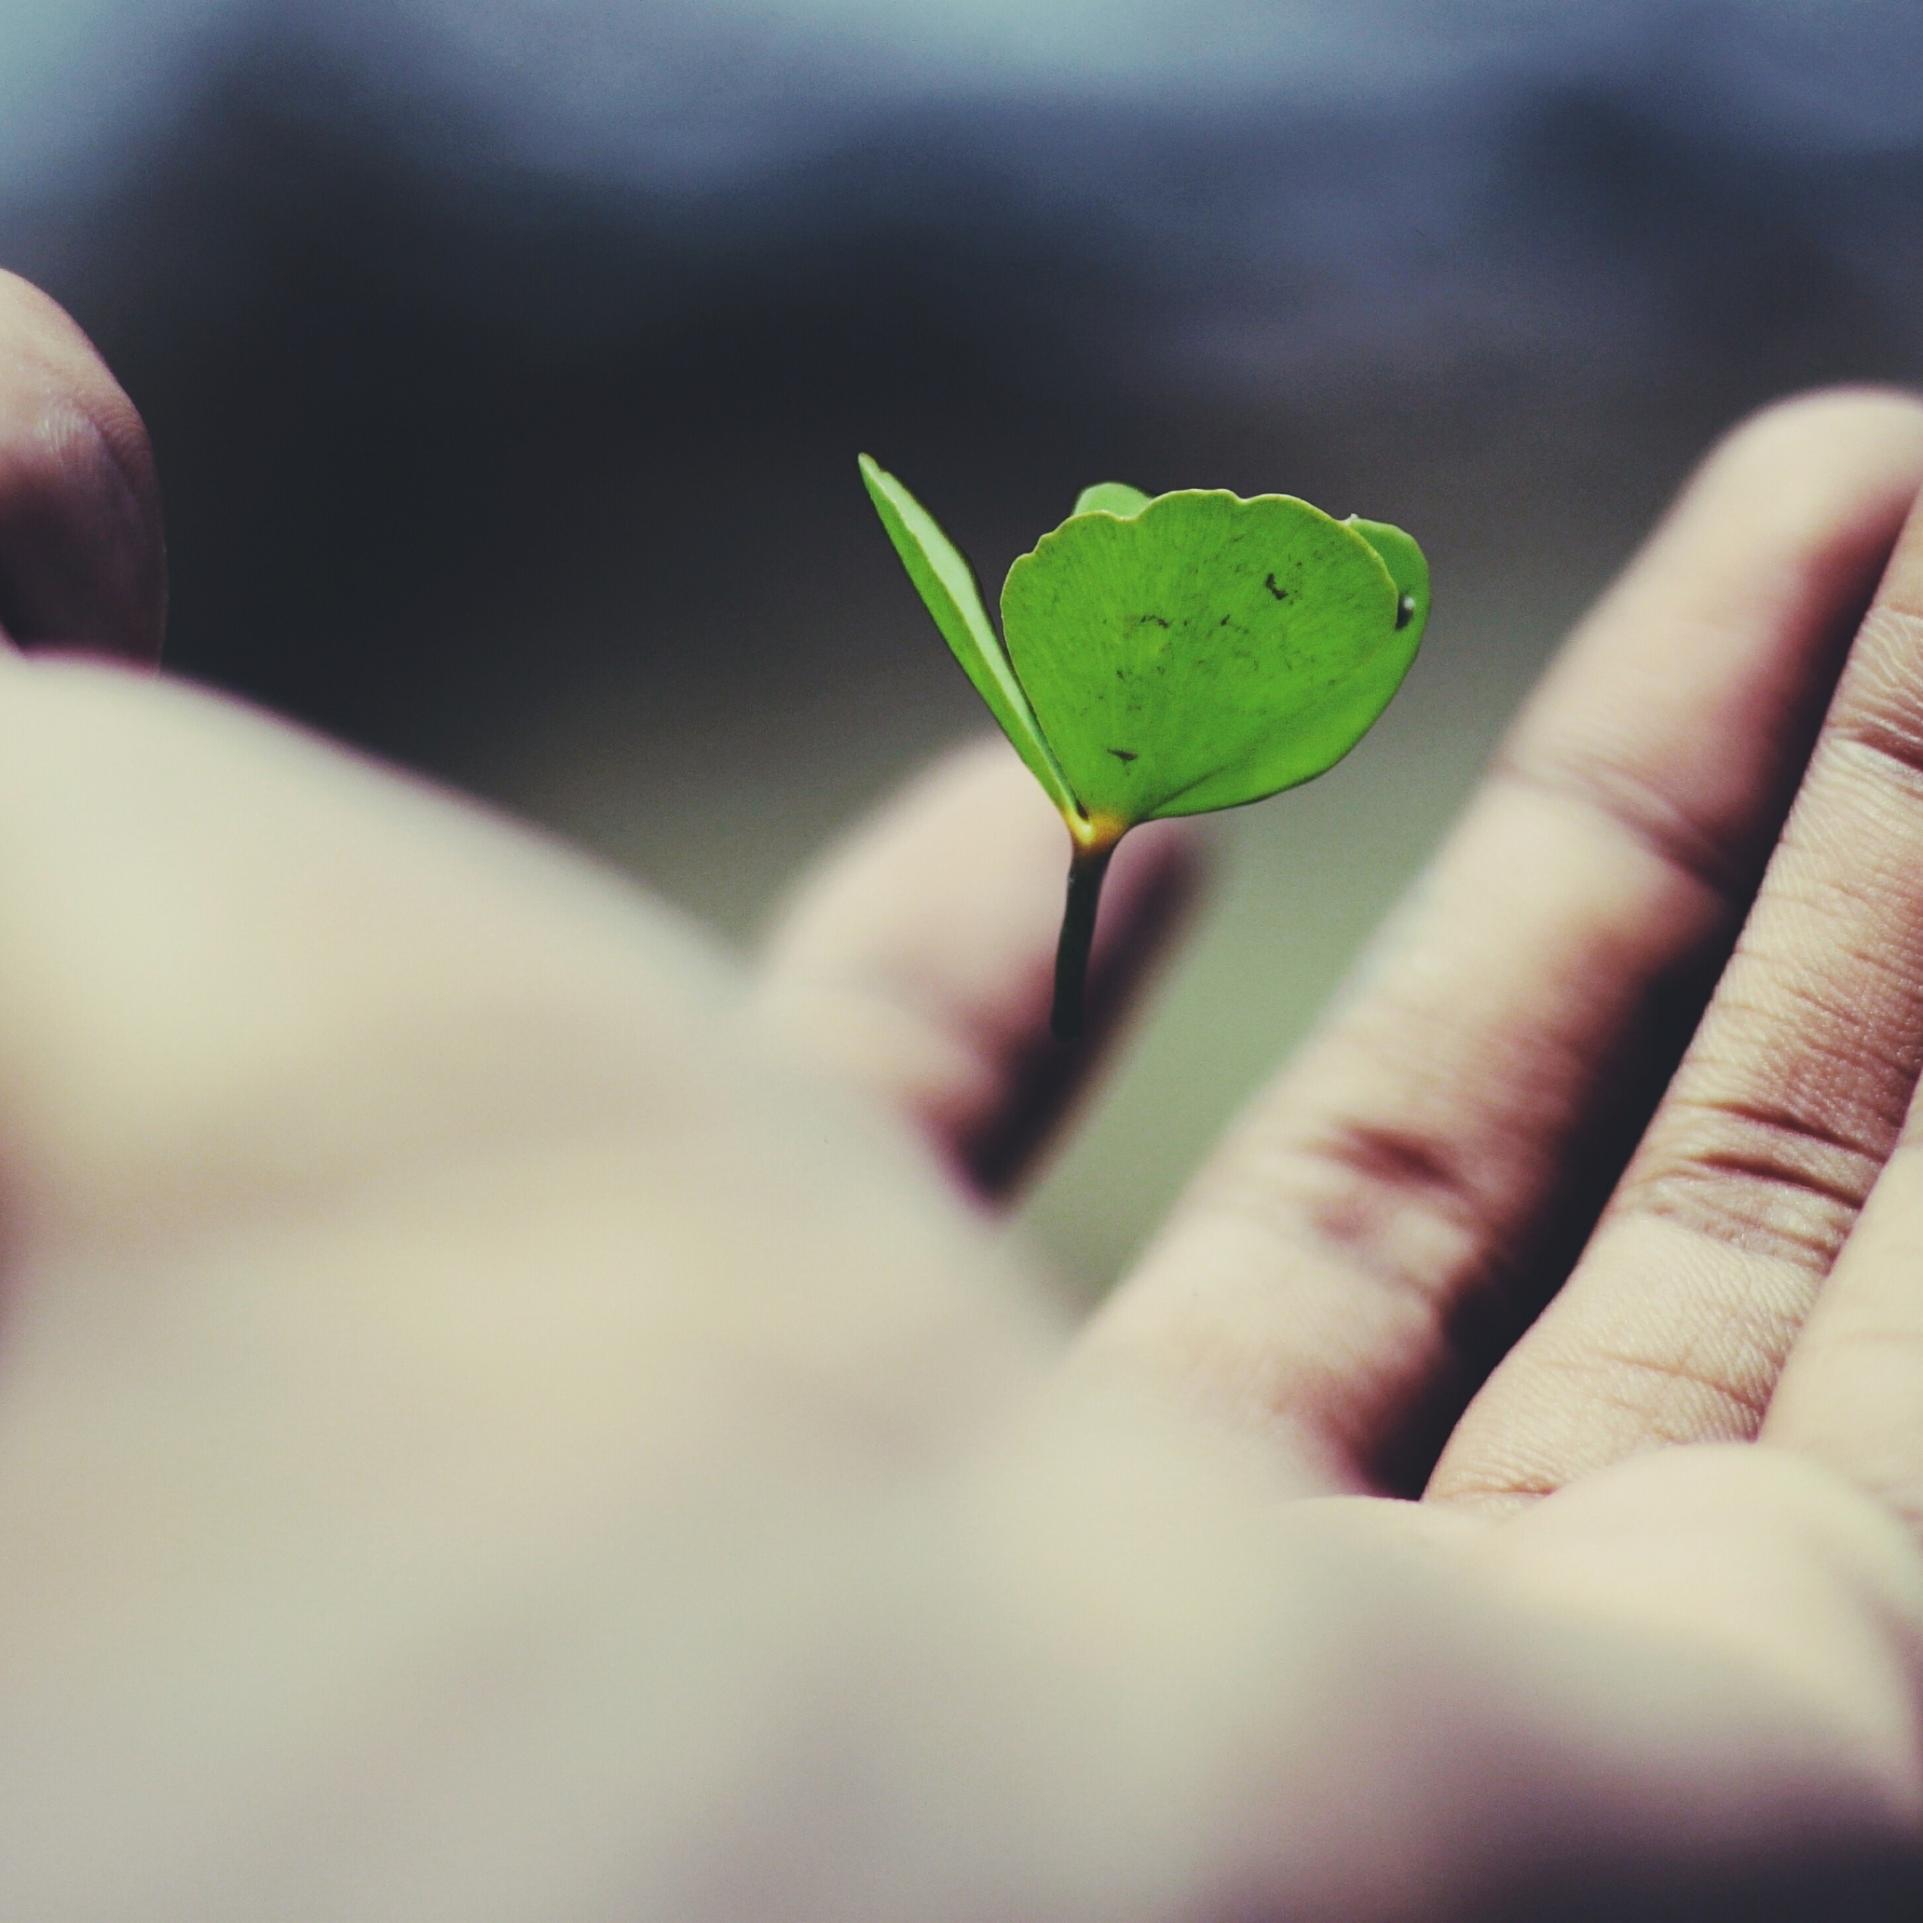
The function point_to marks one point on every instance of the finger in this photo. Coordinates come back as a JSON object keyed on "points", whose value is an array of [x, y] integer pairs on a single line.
{"points": [[916, 962], [1387, 1215], [82, 560], [1851, 1393], [1683, 1310]]}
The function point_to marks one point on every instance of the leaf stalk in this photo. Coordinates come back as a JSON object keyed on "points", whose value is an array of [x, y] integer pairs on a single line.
{"points": [[1087, 869]]}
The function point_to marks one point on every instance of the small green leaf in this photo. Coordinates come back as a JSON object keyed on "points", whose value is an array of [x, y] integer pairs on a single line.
{"points": [[1209, 651], [947, 586], [1111, 497], [1172, 656]]}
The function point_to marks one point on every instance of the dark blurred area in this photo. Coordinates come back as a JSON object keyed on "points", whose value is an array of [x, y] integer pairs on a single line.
{"points": [[507, 363]]}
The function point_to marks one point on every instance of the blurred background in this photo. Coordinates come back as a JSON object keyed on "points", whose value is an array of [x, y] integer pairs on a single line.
{"points": [[507, 360]]}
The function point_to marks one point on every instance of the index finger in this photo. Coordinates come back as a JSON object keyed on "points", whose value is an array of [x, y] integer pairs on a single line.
{"points": [[82, 560]]}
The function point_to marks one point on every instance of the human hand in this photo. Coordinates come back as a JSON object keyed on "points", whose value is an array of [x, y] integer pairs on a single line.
{"points": [[484, 1432]]}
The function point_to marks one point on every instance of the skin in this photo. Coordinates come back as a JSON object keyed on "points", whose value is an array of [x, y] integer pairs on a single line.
{"points": [[506, 1412]]}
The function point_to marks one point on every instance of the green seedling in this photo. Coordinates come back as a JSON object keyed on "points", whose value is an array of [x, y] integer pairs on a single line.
{"points": [[1171, 656]]}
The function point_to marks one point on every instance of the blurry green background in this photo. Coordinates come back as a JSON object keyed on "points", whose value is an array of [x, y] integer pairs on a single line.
{"points": [[507, 360]]}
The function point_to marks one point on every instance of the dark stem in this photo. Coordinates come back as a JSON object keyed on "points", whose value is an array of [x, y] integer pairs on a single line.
{"points": [[1086, 868]]}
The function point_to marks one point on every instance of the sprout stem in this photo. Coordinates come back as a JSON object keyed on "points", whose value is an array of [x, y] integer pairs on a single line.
{"points": [[1086, 868]]}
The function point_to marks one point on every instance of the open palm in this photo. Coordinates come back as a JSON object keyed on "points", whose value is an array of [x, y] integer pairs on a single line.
{"points": [[505, 1414]]}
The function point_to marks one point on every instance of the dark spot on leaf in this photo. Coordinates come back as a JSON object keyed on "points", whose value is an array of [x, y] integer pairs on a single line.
{"points": [[1405, 610], [1156, 618], [1123, 755], [1268, 581]]}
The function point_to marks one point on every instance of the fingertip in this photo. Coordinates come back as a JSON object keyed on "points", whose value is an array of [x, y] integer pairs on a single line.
{"points": [[1820, 425], [1799, 494], [82, 552]]}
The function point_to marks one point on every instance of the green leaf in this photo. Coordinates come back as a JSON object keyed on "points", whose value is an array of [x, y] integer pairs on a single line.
{"points": [[1111, 497], [1407, 567], [1210, 650], [947, 586]]}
